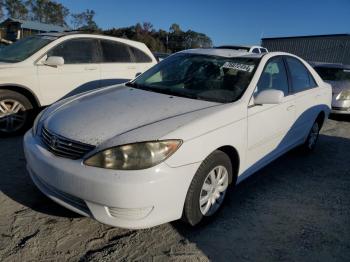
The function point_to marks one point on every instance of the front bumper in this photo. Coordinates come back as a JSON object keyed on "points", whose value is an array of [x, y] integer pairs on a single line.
{"points": [[129, 199]]}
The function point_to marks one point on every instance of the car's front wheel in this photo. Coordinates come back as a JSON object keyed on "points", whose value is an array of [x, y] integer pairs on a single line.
{"points": [[208, 188], [15, 112]]}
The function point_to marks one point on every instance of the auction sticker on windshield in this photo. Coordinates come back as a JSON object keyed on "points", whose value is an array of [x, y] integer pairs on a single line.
{"points": [[239, 66]]}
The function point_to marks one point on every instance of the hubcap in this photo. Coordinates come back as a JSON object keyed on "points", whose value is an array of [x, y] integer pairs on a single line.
{"points": [[213, 190], [12, 115], [313, 135]]}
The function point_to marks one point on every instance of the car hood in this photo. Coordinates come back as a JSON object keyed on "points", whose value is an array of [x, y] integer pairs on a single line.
{"points": [[98, 116]]}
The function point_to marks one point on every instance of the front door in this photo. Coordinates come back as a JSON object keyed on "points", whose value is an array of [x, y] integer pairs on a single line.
{"points": [[80, 72], [270, 127]]}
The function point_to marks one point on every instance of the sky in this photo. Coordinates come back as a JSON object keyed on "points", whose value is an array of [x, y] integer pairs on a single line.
{"points": [[225, 21]]}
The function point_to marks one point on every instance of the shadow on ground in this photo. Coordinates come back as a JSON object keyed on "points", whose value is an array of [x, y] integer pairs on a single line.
{"points": [[295, 209], [16, 184]]}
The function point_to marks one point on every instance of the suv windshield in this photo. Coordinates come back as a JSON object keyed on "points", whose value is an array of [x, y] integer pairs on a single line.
{"points": [[333, 74], [24, 48], [196, 76]]}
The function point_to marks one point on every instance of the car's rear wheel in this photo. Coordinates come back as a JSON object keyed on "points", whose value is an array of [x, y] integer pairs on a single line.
{"points": [[208, 188], [15, 113], [312, 138]]}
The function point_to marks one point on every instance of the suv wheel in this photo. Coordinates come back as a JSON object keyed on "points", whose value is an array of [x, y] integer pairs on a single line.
{"points": [[208, 188], [15, 113]]}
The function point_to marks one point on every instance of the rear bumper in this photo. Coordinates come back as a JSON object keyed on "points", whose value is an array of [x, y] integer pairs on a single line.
{"points": [[128, 199]]}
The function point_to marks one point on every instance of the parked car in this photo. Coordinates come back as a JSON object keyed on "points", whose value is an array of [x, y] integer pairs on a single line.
{"points": [[42, 69], [338, 76], [251, 49], [170, 143]]}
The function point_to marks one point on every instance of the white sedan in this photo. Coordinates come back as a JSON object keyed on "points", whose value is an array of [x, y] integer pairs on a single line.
{"points": [[171, 143]]}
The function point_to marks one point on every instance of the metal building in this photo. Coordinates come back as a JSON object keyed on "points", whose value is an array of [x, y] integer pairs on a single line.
{"points": [[314, 48], [14, 29]]}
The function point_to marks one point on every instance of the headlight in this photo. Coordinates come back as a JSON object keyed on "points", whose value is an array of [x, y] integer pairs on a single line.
{"points": [[134, 156], [36, 122], [344, 95]]}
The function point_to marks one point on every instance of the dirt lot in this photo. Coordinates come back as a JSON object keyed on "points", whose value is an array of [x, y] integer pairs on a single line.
{"points": [[296, 209]]}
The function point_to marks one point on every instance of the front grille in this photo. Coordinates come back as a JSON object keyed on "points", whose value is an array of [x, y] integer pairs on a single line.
{"points": [[64, 147]]}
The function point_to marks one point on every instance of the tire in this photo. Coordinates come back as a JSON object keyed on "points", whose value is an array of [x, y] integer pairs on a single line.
{"points": [[312, 137], [193, 212], [16, 113]]}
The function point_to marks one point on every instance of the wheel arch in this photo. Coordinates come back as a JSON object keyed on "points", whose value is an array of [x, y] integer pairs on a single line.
{"points": [[24, 91], [235, 161], [321, 117]]}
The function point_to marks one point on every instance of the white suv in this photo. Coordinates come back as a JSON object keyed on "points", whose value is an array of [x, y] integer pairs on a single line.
{"points": [[42, 69]]}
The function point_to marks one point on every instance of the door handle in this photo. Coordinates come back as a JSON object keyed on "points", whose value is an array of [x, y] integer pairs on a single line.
{"points": [[131, 67], [289, 108], [317, 96], [91, 68]]}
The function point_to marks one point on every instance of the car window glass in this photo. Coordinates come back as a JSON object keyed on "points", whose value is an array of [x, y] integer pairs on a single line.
{"points": [[256, 51], [76, 51], [115, 52], [263, 50], [300, 76], [274, 76], [139, 56]]}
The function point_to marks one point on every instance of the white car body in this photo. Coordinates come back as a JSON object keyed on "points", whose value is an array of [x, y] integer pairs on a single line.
{"points": [[255, 49], [45, 84], [149, 197]]}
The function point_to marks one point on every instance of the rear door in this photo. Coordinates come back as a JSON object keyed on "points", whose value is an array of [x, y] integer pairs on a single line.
{"points": [[117, 65], [307, 96], [80, 72]]}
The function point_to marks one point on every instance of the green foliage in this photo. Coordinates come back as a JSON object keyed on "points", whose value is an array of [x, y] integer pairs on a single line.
{"points": [[85, 21], [16, 9], [162, 41], [47, 11]]}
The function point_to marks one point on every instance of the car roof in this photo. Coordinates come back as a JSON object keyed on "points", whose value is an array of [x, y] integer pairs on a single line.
{"points": [[222, 52], [244, 47]]}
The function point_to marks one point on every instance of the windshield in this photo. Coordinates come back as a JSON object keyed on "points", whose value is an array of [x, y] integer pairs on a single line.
{"points": [[333, 74], [203, 77], [24, 48]]}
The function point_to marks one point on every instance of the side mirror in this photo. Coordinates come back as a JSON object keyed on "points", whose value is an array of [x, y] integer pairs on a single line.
{"points": [[54, 61], [271, 96]]}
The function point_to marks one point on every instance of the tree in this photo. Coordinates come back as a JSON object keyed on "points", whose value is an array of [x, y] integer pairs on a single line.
{"points": [[84, 20], [47, 11], [2, 5], [16, 9]]}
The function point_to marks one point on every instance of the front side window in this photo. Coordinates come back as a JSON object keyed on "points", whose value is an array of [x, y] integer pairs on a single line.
{"points": [[274, 76], [202, 77], [115, 52], [333, 74], [77, 51], [24, 48], [300, 76]]}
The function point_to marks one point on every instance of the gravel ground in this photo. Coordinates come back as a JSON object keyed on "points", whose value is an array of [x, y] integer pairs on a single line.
{"points": [[295, 209]]}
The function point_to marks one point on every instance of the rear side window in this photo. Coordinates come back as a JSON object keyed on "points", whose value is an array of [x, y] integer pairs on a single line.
{"points": [[115, 52], [300, 76], [256, 51], [263, 50], [274, 76], [139, 56], [77, 51]]}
